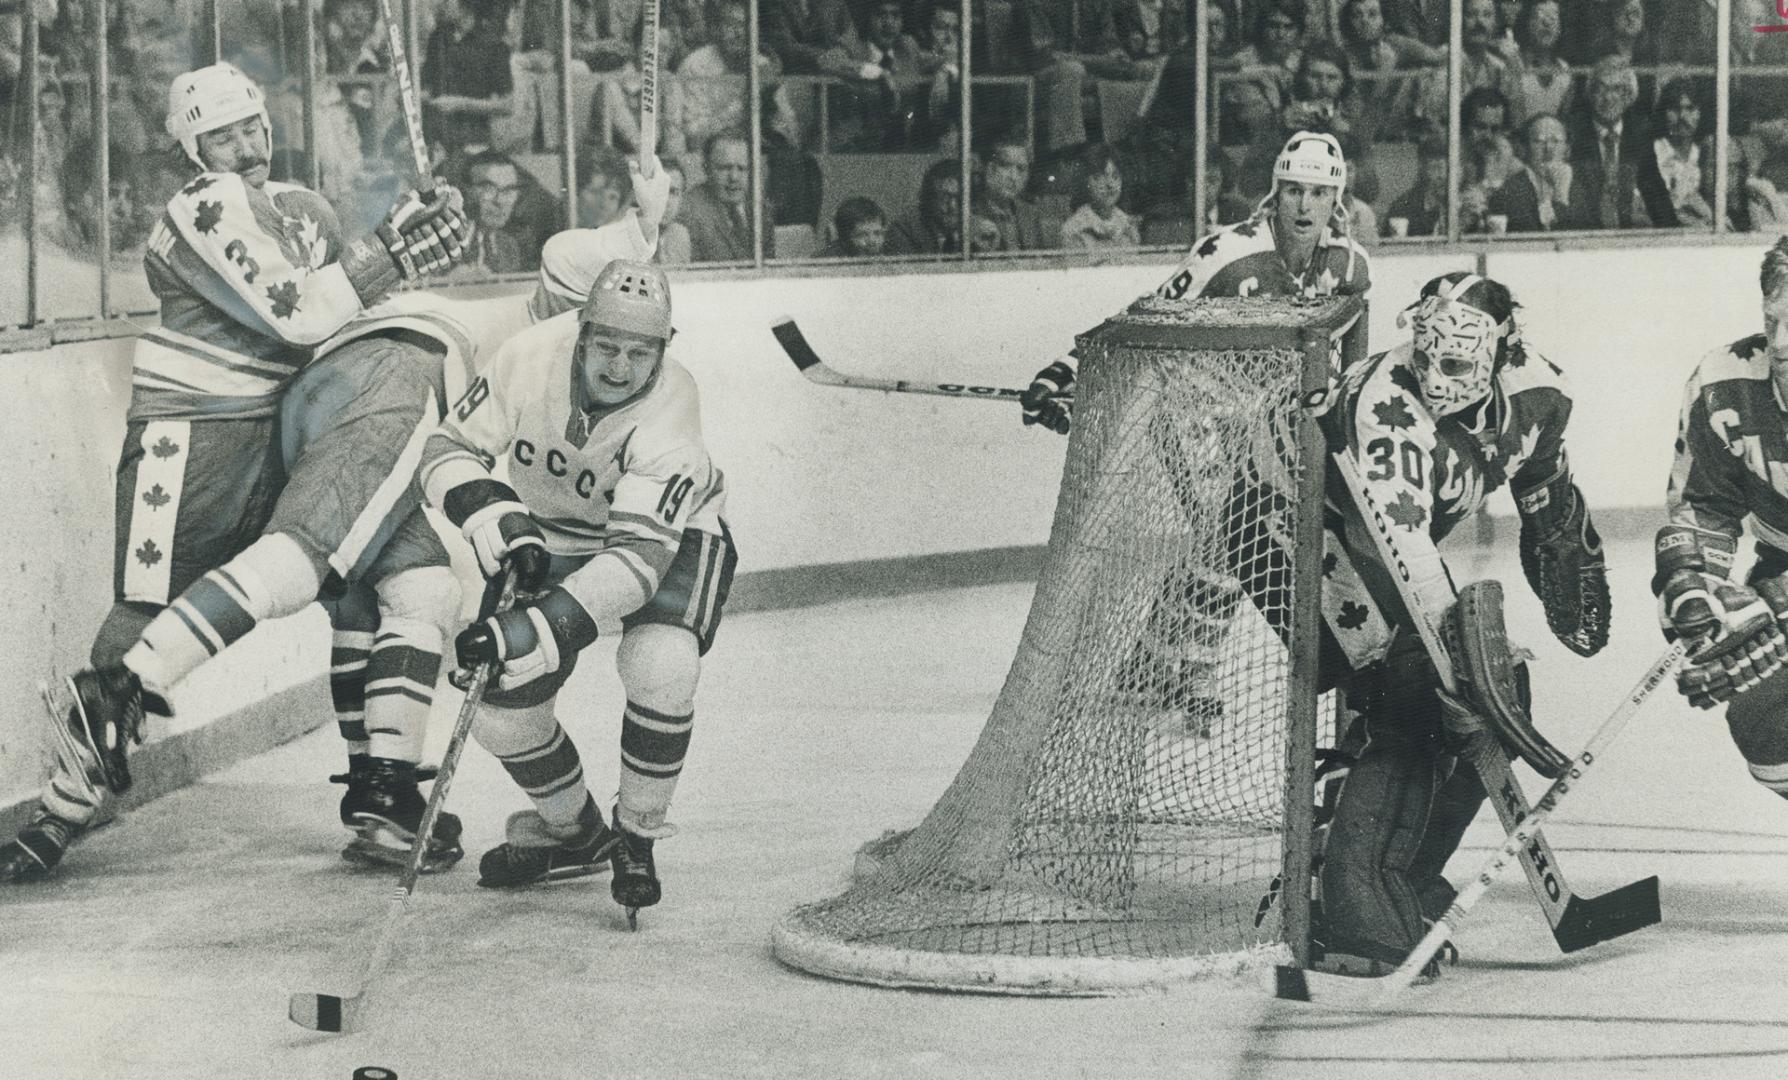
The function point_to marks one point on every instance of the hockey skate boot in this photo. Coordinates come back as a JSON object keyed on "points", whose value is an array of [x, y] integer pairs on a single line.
{"points": [[635, 884], [384, 808], [106, 715], [37, 849], [535, 852]]}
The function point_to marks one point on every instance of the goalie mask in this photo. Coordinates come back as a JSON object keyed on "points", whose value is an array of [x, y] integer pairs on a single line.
{"points": [[1457, 344], [209, 98]]}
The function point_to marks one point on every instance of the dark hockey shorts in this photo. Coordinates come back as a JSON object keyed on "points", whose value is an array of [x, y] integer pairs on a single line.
{"points": [[692, 596]]}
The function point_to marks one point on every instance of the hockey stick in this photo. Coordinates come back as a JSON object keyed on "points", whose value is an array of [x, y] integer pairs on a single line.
{"points": [[1296, 984], [648, 87], [794, 343], [1577, 921], [406, 96], [336, 1013]]}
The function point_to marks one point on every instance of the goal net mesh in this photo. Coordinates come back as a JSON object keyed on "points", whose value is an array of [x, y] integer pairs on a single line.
{"points": [[1118, 825]]}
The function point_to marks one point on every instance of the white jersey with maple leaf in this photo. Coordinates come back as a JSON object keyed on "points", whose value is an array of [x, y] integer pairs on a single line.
{"points": [[571, 260], [1428, 474], [1732, 451], [1243, 260], [618, 483], [248, 286]]}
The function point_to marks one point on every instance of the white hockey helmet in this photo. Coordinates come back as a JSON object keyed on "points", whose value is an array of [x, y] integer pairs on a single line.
{"points": [[1312, 157], [631, 296], [208, 98]]}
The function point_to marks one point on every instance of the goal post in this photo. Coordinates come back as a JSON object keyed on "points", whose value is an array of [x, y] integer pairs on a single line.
{"points": [[1144, 782]]}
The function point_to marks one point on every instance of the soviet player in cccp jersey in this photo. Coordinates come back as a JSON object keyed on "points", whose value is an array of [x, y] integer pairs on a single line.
{"points": [[1295, 244], [613, 525], [1732, 464], [228, 512]]}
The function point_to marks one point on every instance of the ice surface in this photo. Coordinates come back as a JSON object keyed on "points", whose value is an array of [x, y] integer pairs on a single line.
{"points": [[169, 946]]}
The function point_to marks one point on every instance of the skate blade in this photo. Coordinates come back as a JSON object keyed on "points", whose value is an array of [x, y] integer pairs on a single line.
{"points": [[363, 851]]}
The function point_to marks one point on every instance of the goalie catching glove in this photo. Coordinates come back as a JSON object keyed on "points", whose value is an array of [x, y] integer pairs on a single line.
{"points": [[528, 641], [1049, 400], [1561, 556], [1490, 682], [416, 238]]}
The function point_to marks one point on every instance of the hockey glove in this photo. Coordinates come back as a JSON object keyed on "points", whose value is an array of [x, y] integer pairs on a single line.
{"points": [[1561, 555], [1747, 646], [491, 517], [1049, 400], [1491, 679], [527, 642], [426, 237], [650, 193]]}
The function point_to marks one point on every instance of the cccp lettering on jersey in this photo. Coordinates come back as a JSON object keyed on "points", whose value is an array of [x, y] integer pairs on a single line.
{"points": [[556, 464]]}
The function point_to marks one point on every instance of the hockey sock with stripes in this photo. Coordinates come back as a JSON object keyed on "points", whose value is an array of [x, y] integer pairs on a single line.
{"points": [[400, 687], [653, 746], [539, 757]]}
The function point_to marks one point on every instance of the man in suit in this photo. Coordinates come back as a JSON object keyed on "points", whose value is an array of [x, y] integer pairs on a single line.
{"points": [[1546, 192], [717, 211], [1613, 153]]}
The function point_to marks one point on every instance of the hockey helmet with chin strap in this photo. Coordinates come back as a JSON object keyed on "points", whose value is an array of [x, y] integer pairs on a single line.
{"points": [[208, 98], [631, 296], [1312, 157]]}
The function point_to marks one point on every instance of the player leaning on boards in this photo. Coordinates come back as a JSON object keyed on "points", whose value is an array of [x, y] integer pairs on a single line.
{"points": [[1730, 450], [614, 522], [1296, 243], [1433, 427], [253, 279]]}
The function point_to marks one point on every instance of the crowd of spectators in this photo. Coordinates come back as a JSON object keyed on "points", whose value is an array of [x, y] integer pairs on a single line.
{"points": [[1577, 114]]}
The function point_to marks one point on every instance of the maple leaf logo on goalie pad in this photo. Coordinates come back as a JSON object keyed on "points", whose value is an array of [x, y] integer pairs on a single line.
{"points": [[1404, 511]]}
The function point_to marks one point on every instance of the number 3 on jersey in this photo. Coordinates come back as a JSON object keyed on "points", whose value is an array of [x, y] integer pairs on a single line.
{"points": [[1384, 464], [676, 489], [474, 396]]}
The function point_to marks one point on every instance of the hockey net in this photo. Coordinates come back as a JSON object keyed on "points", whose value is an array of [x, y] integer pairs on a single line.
{"points": [[1123, 821]]}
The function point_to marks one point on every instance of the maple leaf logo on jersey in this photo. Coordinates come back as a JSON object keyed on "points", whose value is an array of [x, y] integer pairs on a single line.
{"points": [[1516, 357], [1248, 229], [165, 448], [1394, 413], [1326, 283], [315, 249], [285, 298], [1209, 247], [1329, 562], [1352, 615], [1405, 380], [1404, 511], [157, 497], [1530, 441], [199, 183], [1747, 348], [209, 214], [148, 554]]}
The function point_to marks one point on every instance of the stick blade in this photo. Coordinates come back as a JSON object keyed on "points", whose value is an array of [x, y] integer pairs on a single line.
{"points": [[794, 343], [325, 1012], [1329, 991], [1289, 983], [1590, 920]]}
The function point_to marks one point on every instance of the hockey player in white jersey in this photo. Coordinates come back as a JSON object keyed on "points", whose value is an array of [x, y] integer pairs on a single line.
{"points": [[614, 524], [213, 535]]}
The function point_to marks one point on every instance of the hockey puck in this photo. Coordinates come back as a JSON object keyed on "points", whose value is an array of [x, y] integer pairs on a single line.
{"points": [[373, 1072]]}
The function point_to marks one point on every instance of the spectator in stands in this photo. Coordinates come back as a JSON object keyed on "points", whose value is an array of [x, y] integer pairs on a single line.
{"points": [[353, 41], [801, 32], [1543, 194], [1097, 223], [604, 189], [860, 230], [494, 187], [985, 237], [621, 100], [1150, 29], [1482, 65], [1542, 77], [466, 81], [1252, 105], [128, 218], [687, 25], [714, 86], [1383, 100], [1678, 149], [1614, 155], [717, 211], [1000, 198], [937, 230], [934, 109], [1488, 156], [1424, 20], [878, 70], [1423, 208], [1321, 92], [1045, 46], [1753, 203], [1224, 205], [604, 39], [674, 245]]}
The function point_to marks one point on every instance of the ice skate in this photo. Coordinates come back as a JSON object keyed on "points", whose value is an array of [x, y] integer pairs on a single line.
{"points": [[104, 714], [635, 884], [535, 852], [37, 849], [384, 808]]}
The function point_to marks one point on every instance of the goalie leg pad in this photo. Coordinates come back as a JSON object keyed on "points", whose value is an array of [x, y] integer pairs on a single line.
{"points": [[1457, 802], [1371, 907], [1487, 674]]}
